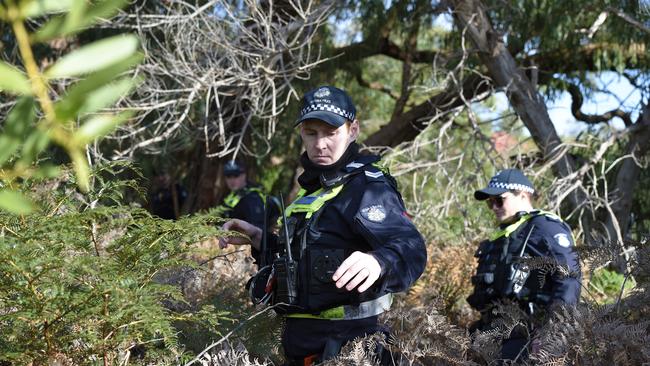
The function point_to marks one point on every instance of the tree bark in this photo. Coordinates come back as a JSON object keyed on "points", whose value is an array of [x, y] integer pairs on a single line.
{"points": [[522, 94], [204, 181], [628, 176]]}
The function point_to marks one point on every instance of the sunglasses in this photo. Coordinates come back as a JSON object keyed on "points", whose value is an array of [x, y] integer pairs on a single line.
{"points": [[495, 201]]}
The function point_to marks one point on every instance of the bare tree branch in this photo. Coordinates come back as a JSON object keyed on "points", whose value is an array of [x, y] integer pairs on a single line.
{"points": [[210, 70], [356, 72], [621, 14], [576, 105]]}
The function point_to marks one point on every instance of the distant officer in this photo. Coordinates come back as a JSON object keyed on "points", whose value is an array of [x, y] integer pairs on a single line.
{"points": [[351, 242], [523, 232], [166, 198], [245, 200]]}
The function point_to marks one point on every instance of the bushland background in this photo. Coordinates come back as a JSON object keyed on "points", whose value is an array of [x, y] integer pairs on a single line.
{"points": [[104, 103]]}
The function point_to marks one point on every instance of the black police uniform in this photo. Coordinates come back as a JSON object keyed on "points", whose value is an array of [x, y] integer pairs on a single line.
{"points": [[366, 214], [246, 204], [162, 201], [499, 276]]}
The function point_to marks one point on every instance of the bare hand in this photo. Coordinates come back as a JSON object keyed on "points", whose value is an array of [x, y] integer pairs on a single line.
{"points": [[241, 226], [358, 268]]}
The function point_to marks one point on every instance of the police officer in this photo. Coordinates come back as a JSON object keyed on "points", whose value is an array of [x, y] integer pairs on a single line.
{"points": [[348, 232], [166, 198], [245, 200], [523, 232]]}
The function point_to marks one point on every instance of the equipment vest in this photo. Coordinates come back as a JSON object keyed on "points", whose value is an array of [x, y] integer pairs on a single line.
{"points": [[319, 255], [233, 198], [499, 275]]}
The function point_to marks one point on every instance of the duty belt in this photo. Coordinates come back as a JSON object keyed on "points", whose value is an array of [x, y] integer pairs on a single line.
{"points": [[365, 309]]}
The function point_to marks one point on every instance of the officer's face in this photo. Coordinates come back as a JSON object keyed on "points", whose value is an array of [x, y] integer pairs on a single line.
{"points": [[326, 144], [236, 182], [506, 206]]}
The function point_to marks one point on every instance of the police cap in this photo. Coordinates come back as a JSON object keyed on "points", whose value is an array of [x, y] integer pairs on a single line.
{"points": [[233, 168], [328, 104], [504, 181]]}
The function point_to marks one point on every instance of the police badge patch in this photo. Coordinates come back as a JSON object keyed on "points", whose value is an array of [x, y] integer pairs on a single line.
{"points": [[562, 240], [374, 213], [322, 93]]}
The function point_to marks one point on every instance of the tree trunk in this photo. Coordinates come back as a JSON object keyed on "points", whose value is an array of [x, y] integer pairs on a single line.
{"points": [[204, 182], [627, 177], [522, 94]]}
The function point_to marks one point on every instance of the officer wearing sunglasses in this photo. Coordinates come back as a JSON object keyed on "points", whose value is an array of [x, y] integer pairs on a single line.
{"points": [[502, 272]]}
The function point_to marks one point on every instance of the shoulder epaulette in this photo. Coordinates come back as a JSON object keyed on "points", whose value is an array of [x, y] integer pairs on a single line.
{"points": [[373, 173], [361, 161]]}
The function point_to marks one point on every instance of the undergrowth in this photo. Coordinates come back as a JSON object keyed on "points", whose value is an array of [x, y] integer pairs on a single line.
{"points": [[88, 280]]}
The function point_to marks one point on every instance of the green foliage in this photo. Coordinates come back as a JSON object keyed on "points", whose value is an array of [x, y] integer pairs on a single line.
{"points": [[85, 60], [81, 14], [13, 80], [607, 285], [81, 282], [437, 176], [73, 121]]}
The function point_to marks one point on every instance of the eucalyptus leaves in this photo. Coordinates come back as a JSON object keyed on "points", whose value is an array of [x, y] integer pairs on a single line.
{"points": [[97, 75]]}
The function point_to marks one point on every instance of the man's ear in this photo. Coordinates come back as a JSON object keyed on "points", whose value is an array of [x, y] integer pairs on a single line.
{"points": [[354, 130]]}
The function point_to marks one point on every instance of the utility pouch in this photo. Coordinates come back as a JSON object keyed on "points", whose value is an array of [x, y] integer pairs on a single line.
{"points": [[519, 273], [322, 292], [322, 264], [483, 247]]}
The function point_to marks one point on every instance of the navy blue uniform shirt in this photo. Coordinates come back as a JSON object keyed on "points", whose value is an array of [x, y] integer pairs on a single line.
{"points": [[368, 215], [552, 238], [250, 207]]}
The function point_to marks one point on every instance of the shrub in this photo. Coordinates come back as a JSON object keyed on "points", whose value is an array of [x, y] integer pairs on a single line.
{"points": [[81, 283]]}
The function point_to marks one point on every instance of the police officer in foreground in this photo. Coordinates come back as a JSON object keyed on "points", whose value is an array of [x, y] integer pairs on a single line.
{"points": [[347, 243], [502, 273], [245, 201]]}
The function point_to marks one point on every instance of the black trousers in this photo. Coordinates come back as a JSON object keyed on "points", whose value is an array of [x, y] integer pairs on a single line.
{"points": [[305, 337], [514, 348]]}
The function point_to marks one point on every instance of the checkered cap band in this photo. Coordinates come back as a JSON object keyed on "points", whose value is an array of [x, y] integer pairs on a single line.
{"points": [[513, 186], [327, 108]]}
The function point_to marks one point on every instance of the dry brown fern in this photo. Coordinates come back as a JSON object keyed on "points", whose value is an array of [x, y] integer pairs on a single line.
{"points": [[364, 351], [447, 279], [425, 336], [592, 335], [228, 355]]}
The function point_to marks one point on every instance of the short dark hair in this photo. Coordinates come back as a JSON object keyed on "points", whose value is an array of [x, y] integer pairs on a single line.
{"points": [[532, 196]]}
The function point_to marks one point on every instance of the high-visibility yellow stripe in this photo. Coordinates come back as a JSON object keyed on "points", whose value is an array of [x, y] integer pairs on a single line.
{"points": [[512, 227], [363, 310], [232, 199], [329, 314], [313, 202]]}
